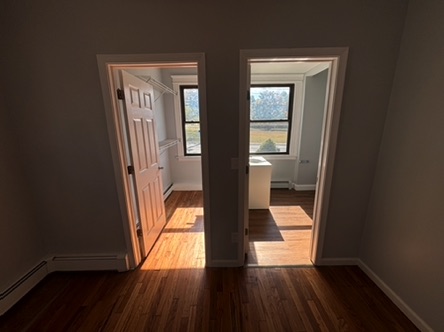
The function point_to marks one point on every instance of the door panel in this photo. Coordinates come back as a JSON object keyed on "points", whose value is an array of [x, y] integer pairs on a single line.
{"points": [[144, 155]]}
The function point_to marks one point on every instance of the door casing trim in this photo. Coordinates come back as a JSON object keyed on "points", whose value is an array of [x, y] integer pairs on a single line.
{"points": [[337, 56], [107, 63]]}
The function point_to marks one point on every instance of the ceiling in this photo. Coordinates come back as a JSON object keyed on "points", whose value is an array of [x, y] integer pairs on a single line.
{"points": [[297, 67]]}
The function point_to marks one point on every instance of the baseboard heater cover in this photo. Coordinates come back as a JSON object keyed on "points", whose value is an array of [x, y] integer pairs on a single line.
{"points": [[117, 262], [281, 184], [16, 291], [304, 187], [187, 186], [168, 191], [22, 286]]}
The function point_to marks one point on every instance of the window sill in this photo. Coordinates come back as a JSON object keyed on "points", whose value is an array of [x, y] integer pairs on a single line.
{"points": [[275, 157], [188, 158]]}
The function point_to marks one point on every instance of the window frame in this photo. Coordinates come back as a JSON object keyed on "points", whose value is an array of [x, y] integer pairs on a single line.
{"points": [[184, 121], [179, 81], [269, 79], [298, 100], [289, 119]]}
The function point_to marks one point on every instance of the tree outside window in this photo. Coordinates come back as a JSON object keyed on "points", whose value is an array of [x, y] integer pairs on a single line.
{"points": [[270, 118]]}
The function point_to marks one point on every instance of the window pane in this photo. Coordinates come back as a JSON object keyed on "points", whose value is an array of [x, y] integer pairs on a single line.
{"points": [[269, 103], [268, 137], [191, 103], [192, 138]]}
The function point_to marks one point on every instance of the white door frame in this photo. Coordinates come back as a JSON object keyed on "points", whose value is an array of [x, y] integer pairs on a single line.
{"points": [[338, 59], [107, 64]]}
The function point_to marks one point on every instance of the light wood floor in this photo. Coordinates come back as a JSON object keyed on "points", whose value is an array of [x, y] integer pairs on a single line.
{"points": [[172, 291], [281, 236]]}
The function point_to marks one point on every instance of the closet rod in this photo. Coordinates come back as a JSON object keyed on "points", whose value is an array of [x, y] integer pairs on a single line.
{"points": [[160, 86]]}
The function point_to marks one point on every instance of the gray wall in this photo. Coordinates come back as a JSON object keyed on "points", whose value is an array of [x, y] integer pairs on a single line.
{"points": [[312, 121], [21, 244], [53, 96], [403, 238]]}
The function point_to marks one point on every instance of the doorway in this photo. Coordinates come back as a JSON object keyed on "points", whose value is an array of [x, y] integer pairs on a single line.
{"points": [[278, 66], [154, 71], [287, 108]]}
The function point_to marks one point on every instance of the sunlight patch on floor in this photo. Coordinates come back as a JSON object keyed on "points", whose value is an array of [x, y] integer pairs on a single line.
{"points": [[283, 214], [280, 236], [181, 243]]}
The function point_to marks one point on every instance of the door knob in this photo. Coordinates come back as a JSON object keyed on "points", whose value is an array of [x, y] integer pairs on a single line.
{"points": [[160, 167]]}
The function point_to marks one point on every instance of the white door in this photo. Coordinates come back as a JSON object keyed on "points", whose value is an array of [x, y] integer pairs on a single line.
{"points": [[144, 153]]}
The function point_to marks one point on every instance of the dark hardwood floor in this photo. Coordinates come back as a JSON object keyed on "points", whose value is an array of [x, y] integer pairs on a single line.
{"points": [[172, 291]]}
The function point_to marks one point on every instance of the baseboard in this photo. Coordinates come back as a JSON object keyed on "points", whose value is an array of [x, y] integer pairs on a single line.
{"points": [[168, 192], [281, 185], [304, 187], [409, 312], [21, 287], [115, 262], [337, 261], [187, 186], [15, 292]]}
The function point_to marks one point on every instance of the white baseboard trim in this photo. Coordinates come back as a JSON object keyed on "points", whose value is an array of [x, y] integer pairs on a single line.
{"points": [[409, 312], [304, 187], [21, 287], [100, 262], [187, 186], [281, 185], [337, 261], [168, 192]]}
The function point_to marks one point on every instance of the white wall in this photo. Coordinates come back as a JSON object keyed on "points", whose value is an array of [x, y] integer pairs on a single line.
{"points": [[185, 174], [282, 170], [403, 237], [312, 121], [50, 53]]}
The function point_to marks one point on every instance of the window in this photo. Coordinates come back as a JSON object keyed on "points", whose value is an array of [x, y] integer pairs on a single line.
{"points": [[275, 114], [271, 108], [189, 100], [186, 116]]}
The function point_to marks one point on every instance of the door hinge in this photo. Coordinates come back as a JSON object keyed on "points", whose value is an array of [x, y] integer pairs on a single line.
{"points": [[139, 232], [247, 169], [246, 231], [130, 169], [120, 94], [248, 95]]}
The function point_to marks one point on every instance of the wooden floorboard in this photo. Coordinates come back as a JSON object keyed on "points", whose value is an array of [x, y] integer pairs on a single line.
{"points": [[281, 235], [173, 291]]}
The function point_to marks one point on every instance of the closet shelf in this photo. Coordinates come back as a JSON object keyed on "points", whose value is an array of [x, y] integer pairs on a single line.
{"points": [[168, 143], [157, 85]]}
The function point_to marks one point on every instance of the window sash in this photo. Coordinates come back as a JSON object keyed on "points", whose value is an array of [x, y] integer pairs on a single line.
{"points": [[274, 134], [190, 140]]}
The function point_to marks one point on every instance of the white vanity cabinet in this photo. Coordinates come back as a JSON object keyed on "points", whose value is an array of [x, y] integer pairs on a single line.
{"points": [[259, 183]]}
